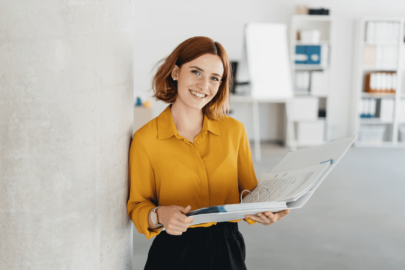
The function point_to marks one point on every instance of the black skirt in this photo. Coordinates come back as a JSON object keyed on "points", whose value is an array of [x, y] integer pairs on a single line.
{"points": [[220, 246]]}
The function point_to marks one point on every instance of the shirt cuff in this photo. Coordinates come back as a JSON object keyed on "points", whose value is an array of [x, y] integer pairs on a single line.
{"points": [[250, 221]]}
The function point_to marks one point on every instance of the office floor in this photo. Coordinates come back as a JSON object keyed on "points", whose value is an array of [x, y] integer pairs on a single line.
{"points": [[355, 220]]}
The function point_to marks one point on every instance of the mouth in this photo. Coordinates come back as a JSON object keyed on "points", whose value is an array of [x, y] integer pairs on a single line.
{"points": [[198, 95]]}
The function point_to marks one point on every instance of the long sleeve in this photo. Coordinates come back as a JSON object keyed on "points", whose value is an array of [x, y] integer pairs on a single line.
{"points": [[142, 186], [246, 173]]}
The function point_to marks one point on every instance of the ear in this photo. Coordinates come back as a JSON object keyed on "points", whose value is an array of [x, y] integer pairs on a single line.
{"points": [[175, 72]]}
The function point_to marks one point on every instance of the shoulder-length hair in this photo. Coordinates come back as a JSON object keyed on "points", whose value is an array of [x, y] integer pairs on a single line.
{"points": [[165, 87]]}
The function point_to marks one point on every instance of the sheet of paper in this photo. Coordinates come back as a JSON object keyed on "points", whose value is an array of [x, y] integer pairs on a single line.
{"points": [[286, 186], [315, 155]]}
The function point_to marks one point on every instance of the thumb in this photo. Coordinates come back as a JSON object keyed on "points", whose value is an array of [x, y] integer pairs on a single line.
{"points": [[184, 210]]}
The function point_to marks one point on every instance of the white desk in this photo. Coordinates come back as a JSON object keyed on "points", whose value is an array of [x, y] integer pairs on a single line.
{"points": [[290, 140]]}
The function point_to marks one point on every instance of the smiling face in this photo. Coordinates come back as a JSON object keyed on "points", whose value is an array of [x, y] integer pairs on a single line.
{"points": [[198, 81]]}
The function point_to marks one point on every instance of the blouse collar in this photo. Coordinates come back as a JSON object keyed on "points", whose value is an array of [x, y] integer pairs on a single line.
{"points": [[167, 128]]}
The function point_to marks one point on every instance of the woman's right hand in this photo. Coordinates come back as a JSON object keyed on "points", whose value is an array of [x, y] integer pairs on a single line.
{"points": [[174, 219]]}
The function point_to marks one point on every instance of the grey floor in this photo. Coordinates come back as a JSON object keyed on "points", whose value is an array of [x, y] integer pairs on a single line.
{"points": [[355, 220]]}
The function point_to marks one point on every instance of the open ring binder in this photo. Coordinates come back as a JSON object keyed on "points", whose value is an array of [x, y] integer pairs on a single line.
{"points": [[250, 194], [258, 194]]}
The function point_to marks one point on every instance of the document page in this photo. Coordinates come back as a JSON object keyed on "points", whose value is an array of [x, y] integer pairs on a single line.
{"points": [[286, 186]]}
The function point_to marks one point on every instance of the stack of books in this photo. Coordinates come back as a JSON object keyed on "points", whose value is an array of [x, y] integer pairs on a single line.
{"points": [[382, 32], [384, 109], [367, 108], [381, 49], [311, 82], [380, 56], [381, 82]]}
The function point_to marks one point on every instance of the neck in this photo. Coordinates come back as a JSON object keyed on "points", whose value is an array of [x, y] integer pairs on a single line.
{"points": [[187, 119]]}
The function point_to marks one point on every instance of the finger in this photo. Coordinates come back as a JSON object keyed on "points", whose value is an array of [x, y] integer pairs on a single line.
{"points": [[183, 218], [264, 218], [174, 232], [281, 214], [184, 210], [178, 227], [270, 215], [285, 212]]}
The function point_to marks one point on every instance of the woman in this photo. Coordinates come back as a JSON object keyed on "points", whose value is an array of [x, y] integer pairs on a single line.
{"points": [[192, 156]]}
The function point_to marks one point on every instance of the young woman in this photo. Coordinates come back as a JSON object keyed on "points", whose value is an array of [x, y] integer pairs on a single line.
{"points": [[192, 156]]}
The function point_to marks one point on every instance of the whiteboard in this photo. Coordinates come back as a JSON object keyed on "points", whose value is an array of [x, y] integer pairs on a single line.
{"points": [[267, 60]]}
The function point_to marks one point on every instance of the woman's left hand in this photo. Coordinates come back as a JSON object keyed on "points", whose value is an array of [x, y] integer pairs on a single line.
{"points": [[268, 218]]}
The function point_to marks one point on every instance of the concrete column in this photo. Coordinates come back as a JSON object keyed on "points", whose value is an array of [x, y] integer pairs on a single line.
{"points": [[66, 114]]}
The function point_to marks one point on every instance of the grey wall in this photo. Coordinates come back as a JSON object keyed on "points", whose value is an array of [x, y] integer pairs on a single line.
{"points": [[161, 25], [66, 114]]}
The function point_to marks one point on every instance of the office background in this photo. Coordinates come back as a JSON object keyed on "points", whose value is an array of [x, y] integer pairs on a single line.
{"points": [[162, 25], [69, 71]]}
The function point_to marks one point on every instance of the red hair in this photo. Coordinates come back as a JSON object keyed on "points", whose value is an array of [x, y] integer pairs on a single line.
{"points": [[165, 87]]}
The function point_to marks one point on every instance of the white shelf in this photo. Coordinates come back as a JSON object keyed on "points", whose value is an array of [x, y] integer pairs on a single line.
{"points": [[319, 119], [321, 42], [377, 95], [374, 121], [380, 43], [325, 24], [365, 68], [308, 94], [309, 18], [309, 67], [359, 77]]}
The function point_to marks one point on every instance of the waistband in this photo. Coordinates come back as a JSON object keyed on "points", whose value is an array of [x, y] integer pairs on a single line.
{"points": [[219, 230]]}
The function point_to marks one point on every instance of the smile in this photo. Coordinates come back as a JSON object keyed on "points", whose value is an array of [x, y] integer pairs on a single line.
{"points": [[197, 94]]}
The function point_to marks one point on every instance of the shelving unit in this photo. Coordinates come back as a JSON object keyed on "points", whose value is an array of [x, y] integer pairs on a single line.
{"points": [[391, 135], [325, 25]]}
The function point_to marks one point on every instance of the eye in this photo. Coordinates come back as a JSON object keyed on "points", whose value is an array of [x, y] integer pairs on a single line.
{"points": [[215, 79], [196, 72]]}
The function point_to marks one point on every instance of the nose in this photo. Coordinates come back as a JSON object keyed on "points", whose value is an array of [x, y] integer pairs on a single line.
{"points": [[203, 84]]}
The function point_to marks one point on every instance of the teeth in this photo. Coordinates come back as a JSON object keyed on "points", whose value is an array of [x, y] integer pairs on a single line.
{"points": [[197, 94]]}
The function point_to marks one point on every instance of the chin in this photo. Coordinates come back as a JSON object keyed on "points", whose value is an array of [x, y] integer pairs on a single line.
{"points": [[195, 106]]}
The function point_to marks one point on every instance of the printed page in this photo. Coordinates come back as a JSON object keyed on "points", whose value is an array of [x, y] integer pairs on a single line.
{"points": [[286, 186]]}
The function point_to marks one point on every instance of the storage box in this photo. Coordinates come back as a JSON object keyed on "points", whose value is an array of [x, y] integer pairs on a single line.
{"points": [[310, 132], [310, 36], [372, 134], [305, 108]]}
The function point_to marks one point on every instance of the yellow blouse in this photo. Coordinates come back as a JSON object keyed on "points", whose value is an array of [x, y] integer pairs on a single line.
{"points": [[167, 169]]}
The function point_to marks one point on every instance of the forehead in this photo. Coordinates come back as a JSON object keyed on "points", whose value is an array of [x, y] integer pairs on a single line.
{"points": [[210, 63]]}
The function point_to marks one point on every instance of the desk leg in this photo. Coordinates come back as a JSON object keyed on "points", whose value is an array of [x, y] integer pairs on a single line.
{"points": [[290, 127], [256, 130]]}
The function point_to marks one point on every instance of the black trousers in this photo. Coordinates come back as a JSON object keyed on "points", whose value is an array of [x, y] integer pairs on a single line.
{"points": [[220, 246]]}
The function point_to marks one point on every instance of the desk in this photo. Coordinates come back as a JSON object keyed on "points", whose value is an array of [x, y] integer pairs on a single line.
{"points": [[290, 140]]}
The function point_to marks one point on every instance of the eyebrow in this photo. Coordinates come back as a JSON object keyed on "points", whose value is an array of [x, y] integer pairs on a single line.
{"points": [[200, 69]]}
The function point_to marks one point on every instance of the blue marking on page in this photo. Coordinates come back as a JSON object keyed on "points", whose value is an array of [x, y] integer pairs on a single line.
{"points": [[329, 160], [208, 210]]}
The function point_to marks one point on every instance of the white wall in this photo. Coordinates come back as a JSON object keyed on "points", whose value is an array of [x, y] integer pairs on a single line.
{"points": [[66, 84], [162, 25]]}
